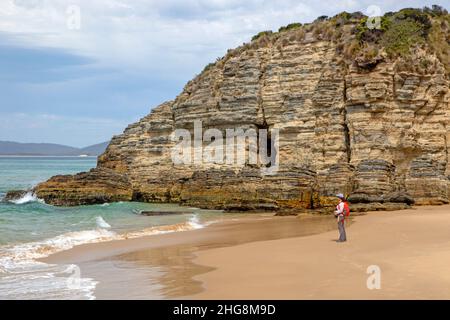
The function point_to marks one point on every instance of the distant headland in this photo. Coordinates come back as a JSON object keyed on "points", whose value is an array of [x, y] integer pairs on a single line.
{"points": [[9, 148]]}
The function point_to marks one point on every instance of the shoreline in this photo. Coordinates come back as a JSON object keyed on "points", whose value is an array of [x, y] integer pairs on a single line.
{"points": [[278, 258], [167, 259]]}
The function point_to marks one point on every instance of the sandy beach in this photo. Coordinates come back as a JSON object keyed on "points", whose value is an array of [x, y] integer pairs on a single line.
{"points": [[265, 257]]}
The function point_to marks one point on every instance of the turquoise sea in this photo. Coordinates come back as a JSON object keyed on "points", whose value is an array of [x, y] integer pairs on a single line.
{"points": [[31, 229]]}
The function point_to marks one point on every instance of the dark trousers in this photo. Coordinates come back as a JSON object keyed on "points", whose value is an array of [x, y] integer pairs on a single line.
{"points": [[341, 227]]}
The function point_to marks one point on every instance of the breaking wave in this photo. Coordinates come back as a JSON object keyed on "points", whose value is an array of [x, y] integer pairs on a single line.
{"points": [[27, 198], [23, 277], [192, 224]]}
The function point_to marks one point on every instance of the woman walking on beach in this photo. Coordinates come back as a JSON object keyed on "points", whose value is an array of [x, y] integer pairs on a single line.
{"points": [[342, 210]]}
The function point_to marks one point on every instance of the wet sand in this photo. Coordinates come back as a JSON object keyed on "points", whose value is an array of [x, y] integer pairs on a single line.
{"points": [[162, 266], [278, 258]]}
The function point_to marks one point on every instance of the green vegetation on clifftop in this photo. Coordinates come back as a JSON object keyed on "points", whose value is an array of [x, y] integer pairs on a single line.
{"points": [[410, 36]]}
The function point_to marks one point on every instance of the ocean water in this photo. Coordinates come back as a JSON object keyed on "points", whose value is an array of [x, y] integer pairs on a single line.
{"points": [[31, 229]]}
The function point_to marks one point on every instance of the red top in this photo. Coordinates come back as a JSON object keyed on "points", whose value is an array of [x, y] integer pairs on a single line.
{"points": [[344, 210]]}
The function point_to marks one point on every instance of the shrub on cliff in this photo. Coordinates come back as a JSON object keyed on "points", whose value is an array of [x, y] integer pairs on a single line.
{"points": [[345, 18], [435, 11], [397, 32], [208, 66], [401, 36], [261, 34], [321, 18], [290, 26]]}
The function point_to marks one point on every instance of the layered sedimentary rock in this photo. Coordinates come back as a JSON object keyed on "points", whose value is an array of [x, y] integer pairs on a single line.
{"points": [[99, 185], [379, 134]]}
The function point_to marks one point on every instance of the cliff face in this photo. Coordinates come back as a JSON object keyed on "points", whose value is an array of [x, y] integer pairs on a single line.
{"points": [[372, 130]]}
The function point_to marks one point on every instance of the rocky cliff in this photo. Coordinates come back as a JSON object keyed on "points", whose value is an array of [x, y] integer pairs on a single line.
{"points": [[357, 113]]}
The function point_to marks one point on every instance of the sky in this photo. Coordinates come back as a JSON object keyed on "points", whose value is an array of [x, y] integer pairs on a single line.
{"points": [[77, 72]]}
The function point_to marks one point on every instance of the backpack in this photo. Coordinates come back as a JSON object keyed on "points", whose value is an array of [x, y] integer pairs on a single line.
{"points": [[346, 209]]}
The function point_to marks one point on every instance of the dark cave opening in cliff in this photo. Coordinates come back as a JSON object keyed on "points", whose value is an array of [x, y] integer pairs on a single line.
{"points": [[270, 151]]}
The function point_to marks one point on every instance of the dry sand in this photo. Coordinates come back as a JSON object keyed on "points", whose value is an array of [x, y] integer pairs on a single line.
{"points": [[411, 248], [279, 258]]}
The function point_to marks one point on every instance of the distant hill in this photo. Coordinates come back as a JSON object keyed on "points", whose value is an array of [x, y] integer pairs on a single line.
{"points": [[96, 149], [49, 149]]}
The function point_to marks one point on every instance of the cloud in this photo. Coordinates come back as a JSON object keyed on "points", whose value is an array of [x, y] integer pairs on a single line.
{"points": [[23, 64], [157, 36], [129, 56], [174, 37]]}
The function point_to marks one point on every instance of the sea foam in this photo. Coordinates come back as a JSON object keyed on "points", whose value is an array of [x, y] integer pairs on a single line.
{"points": [[101, 223], [194, 222], [24, 277], [27, 198]]}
